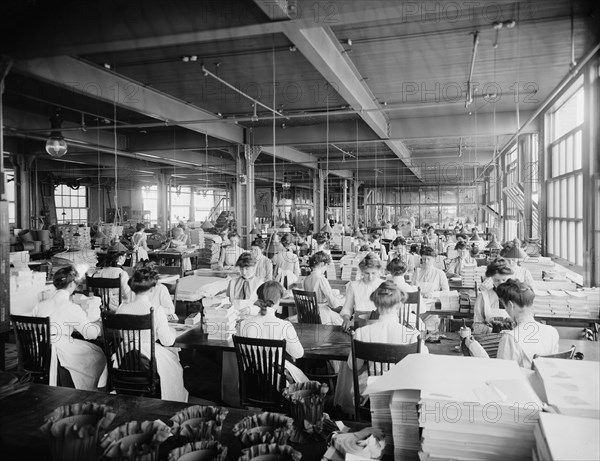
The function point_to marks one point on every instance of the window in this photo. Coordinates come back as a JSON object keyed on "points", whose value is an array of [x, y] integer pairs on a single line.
{"points": [[206, 200], [181, 203], [9, 186], [564, 187], [71, 204], [150, 203]]}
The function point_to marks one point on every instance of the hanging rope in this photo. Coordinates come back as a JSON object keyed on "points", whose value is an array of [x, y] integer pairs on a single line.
{"points": [[326, 218], [118, 216], [274, 134]]}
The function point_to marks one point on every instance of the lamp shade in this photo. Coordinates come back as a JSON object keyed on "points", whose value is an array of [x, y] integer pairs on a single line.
{"points": [[56, 146], [254, 231], [358, 234], [207, 225], [469, 220], [514, 252]]}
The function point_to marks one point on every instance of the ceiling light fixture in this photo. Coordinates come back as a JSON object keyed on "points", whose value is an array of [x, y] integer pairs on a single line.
{"points": [[56, 145], [254, 117]]}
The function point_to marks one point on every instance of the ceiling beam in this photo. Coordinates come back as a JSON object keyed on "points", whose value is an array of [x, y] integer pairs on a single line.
{"points": [[457, 125], [107, 86], [323, 50], [277, 10]]}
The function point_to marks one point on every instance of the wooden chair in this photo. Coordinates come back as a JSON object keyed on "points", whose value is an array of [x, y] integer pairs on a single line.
{"points": [[404, 311], [173, 259], [133, 373], [101, 287], [307, 306], [378, 358], [34, 349], [481, 262], [308, 312], [261, 365], [568, 354]]}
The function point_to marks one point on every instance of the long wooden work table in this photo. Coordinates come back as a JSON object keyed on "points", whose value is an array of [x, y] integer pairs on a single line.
{"points": [[332, 343]]}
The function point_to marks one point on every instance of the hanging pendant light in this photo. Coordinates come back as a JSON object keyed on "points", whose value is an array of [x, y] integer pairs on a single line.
{"points": [[56, 146], [327, 228]]}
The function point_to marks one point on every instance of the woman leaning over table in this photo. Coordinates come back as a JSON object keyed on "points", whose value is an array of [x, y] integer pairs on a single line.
{"points": [[84, 360], [266, 325], [487, 305], [528, 337], [316, 282], [167, 359], [386, 329], [359, 291]]}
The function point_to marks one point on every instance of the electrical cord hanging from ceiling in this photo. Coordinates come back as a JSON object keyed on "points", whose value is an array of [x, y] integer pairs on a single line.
{"points": [[118, 216], [326, 217], [274, 134]]}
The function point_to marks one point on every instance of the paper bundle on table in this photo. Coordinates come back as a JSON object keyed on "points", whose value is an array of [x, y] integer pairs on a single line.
{"points": [[405, 426], [220, 322], [349, 273], [197, 238], [469, 275], [448, 299], [537, 266], [566, 438], [572, 387]]}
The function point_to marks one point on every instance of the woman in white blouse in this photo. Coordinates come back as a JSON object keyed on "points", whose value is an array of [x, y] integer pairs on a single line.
{"points": [[167, 358], [287, 264], [456, 265], [487, 305], [528, 337], [429, 278], [358, 292], [84, 360], [386, 329], [316, 282], [266, 325], [140, 247], [264, 266], [116, 256]]}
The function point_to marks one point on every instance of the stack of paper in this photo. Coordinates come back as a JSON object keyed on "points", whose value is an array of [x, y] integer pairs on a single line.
{"points": [[481, 409], [220, 322], [537, 266], [197, 237], [565, 438], [541, 303], [572, 387], [210, 252], [350, 272], [194, 288], [381, 417], [559, 303], [469, 275], [405, 427], [448, 299]]}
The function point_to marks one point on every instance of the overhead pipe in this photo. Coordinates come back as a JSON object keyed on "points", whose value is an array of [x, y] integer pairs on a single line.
{"points": [[469, 99]]}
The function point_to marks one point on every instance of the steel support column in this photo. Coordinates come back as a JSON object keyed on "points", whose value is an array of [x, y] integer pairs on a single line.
{"points": [[250, 153], [162, 181]]}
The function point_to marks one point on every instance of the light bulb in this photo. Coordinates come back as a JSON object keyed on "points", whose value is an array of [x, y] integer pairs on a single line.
{"points": [[56, 146]]}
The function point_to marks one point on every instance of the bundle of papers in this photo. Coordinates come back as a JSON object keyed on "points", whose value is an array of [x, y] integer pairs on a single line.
{"points": [[220, 321], [84, 257], [565, 438], [572, 387], [481, 409], [575, 304], [537, 266], [448, 299], [469, 275], [197, 237], [194, 288], [350, 272], [381, 417]]}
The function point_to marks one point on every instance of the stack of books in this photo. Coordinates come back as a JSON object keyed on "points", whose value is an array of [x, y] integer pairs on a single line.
{"points": [[220, 322], [210, 252], [564, 438], [197, 238], [469, 275], [350, 272], [567, 304]]}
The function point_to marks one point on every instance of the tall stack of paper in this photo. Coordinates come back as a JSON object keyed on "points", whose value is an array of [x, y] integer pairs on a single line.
{"points": [[566, 438], [481, 409], [197, 237], [571, 386], [381, 417], [220, 322], [194, 288], [469, 275], [405, 424], [211, 251], [541, 303]]}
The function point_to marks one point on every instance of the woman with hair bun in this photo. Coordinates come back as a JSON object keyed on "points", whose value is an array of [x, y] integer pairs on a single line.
{"points": [[266, 325], [84, 360], [429, 278], [359, 291], [140, 247], [167, 359], [487, 305], [386, 329], [287, 263], [316, 282]]}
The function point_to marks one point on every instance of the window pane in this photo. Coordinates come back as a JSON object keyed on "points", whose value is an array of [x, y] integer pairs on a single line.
{"points": [[569, 154], [571, 240], [579, 240], [562, 167], [564, 240], [557, 237], [571, 197], [577, 151], [550, 203], [556, 199], [579, 196], [551, 236]]}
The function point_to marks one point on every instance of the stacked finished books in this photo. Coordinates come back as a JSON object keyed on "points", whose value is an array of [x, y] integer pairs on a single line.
{"points": [[537, 266], [220, 322], [210, 252], [350, 273], [469, 275]]}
